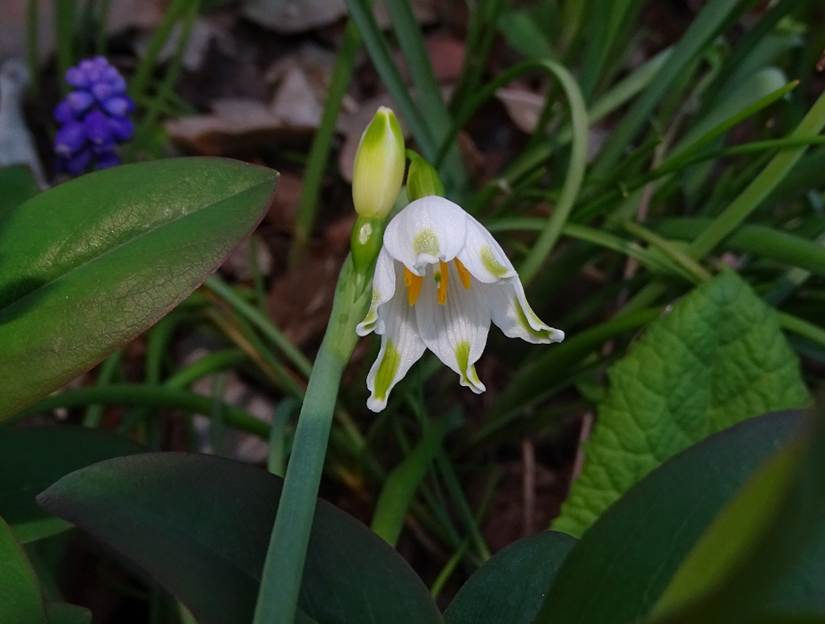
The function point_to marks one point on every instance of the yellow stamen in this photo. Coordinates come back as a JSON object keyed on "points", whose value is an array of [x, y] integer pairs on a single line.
{"points": [[413, 283], [463, 273], [442, 283]]}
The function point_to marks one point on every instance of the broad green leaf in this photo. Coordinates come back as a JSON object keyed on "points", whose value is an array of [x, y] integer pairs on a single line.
{"points": [[20, 599], [717, 358], [17, 184], [764, 555], [200, 525], [511, 586], [624, 562], [88, 265], [31, 459], [65, 613]]}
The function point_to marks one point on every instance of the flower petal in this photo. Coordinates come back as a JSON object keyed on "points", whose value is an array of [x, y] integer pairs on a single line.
{"points": [[513, 315], [483, 256], [426, 231], [401, 347], [456, 331], [383, 288]]}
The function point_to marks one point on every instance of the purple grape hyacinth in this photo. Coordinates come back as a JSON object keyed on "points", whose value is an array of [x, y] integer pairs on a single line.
{"points": [[93, 118]]}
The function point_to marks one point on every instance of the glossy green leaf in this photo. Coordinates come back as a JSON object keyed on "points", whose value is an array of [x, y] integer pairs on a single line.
{"points": [[624, 562], [65, 613], [31, 459], [764, 555], [20, 599], [90, 264], [511, 586], [200, 525], [17, 184], [717, 358]]}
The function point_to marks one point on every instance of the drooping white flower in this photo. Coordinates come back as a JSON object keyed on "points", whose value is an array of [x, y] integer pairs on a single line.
{"points": [[440, 279]]}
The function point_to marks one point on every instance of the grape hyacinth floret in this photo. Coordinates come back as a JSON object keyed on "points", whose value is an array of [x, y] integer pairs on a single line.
{"points": [[93, 118]]}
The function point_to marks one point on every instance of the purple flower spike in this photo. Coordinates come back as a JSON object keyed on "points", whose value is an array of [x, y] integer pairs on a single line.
{"points": [[122, 128], [93, 117], [106, 160], [97, 128], [79, 101], [117, 106], [78, 163], [70, 138], [76, 77], [63, 113]]}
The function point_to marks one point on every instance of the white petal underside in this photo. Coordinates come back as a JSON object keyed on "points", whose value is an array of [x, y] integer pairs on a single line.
{"points": [[483, 256], [401, 347], [512, 314], [456, 331], [426, 231], [383, 289]]}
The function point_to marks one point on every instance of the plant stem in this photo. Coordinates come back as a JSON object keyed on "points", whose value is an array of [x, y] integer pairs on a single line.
{"points": [[283, 570]]}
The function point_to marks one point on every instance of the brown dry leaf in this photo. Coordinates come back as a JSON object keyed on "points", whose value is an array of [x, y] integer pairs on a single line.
{"points": [[294, 16], [446, 55], [296, 103], [523, 106], [197, 45], [300, 300], [242, 124], [285, 202], [236, 125], [424, 11]]}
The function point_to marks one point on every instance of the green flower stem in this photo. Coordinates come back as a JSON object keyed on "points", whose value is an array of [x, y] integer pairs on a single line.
{"points": [[283, 570]]}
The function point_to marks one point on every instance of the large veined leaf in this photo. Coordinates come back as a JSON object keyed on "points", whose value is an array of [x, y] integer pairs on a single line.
{"points": [[20, 599], [90, 264], [31, 459], [624, 562], [511, 586], [717, 358], [200, 525]]}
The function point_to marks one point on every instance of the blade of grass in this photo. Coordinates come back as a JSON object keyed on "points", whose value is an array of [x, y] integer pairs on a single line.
{"points": [[711, 21], [264, 325], [802, 328], [379, 51], [399, 488], [322, 141], [64, 35], [108, 370], [148, 396]]}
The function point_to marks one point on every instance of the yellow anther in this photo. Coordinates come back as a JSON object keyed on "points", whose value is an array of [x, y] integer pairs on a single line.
{"points": [[413, 283], [463, 273], [442, 282]]}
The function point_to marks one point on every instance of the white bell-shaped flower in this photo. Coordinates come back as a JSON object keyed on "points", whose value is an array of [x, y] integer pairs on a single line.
{"points": [[440, 279]]}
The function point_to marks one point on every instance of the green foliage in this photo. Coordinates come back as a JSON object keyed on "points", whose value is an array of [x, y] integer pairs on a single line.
{"points": [[510, 586], [32, 459], [92, 263], [627, 557], [171, 515], [20, 599], [716, 358]]}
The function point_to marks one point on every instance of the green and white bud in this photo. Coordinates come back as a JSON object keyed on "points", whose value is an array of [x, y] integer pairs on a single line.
{"points": [[422, 178], [379, 166]]}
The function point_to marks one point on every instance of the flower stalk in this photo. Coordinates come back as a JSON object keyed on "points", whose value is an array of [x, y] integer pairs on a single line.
{"points": [[283, 570]]}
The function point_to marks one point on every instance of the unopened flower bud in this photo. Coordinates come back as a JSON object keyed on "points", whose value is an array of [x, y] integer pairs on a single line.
{"points": [[422, 178], [379, 166]]}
